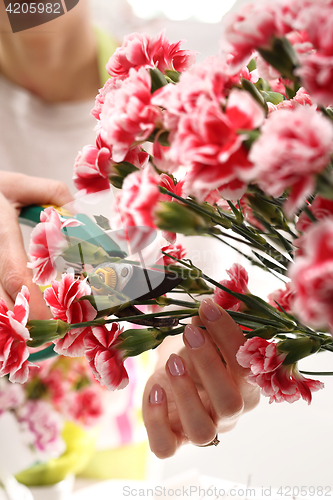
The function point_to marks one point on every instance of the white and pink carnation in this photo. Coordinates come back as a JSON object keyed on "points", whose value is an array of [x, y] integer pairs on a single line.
{"points": [[207, 143], [128, 117], [91, 170], [11, 396], [177, 251], [277, 381], [14, 335], [316, 74], [283, 297], [252, 27], [237, 283], [104, 358], [321, 208], [63, 299], [85, 406], [312, 276], [141, 50], [110, 85], [209, 79], [47, 242], [44, 425], [294, 146], [137, 200], [94, 165]]}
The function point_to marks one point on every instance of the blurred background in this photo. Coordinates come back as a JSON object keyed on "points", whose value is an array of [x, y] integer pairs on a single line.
{"points": [[275, 445]]}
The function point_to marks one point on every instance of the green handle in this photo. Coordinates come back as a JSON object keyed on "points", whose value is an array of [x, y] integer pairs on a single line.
{"points": [[90, 231]]}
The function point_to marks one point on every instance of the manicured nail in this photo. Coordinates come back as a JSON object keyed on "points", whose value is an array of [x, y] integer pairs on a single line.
{"points": [[194, 336], [175, 365], [156, 395], [210, 310]]}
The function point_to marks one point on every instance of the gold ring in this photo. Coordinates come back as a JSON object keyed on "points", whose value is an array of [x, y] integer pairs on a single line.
{"points": [[214, 442]]}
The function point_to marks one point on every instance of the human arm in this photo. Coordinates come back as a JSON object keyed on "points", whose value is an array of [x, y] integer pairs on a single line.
{"points": [[16, 191], [202, 390]]}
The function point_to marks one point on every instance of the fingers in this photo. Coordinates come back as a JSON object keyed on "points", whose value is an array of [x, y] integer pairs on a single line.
{"points": [[13, 264], [162, 440], [227, 335], [23, 190], [197, 424], [218, 383]]}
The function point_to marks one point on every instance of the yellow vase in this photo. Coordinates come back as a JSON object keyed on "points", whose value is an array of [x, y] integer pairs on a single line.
{"points": [[80, 446]]}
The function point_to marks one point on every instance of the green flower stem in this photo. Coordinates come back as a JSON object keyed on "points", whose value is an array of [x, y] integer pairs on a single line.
{"points": [[254, 262], [168, 302], [217, 219], [309, 214], [244, 242], [315, 373], [99, 322], [236, 226]]}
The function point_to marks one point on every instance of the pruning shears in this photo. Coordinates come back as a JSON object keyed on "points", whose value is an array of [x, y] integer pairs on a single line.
{"points": [[115, 278]]}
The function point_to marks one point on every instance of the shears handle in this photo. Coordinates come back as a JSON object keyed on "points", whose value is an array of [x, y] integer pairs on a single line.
{"points": [[89, 231]]}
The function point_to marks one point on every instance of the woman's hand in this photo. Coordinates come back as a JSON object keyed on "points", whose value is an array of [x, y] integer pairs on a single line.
{"points": [[201, 391], [17, 191]]}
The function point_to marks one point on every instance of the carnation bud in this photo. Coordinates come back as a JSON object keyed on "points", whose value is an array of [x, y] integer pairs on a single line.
{"points": [[271, 213], [298, 348], [264, 332], [135, 341], [197, 286], [171, 216], [120, 171], [45, 331], [281, 56]]}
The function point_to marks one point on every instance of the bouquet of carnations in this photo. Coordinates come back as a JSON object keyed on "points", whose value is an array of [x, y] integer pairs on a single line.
{"points": [[55, 414], [237, 148]]}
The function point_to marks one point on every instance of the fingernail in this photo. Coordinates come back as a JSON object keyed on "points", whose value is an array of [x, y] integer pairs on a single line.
{"points": [[194, 336], [175, 365], [156, 395], [210, 310]]}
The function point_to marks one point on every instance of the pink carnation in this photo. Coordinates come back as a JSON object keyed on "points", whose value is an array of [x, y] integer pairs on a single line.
{"points": [[286, 384], [321, 209], [14, 335], [295, 144], [177, 251], [284, 297], [253, 27], [237, 283], [62, 297], [312, 276], [138, 198], [94, 165], [46, 243], [141, 50], [105, 360], [44, 426], [260, 356], [316, 73], [209, 79], [91, 170], [110, 85], [128, 117], [85, 406], [208, 144], [277, 381], [11, 396]]}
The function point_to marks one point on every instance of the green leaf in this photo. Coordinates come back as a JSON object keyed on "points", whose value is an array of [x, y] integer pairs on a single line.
{"points": [[273, 97], [102, 222]]}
